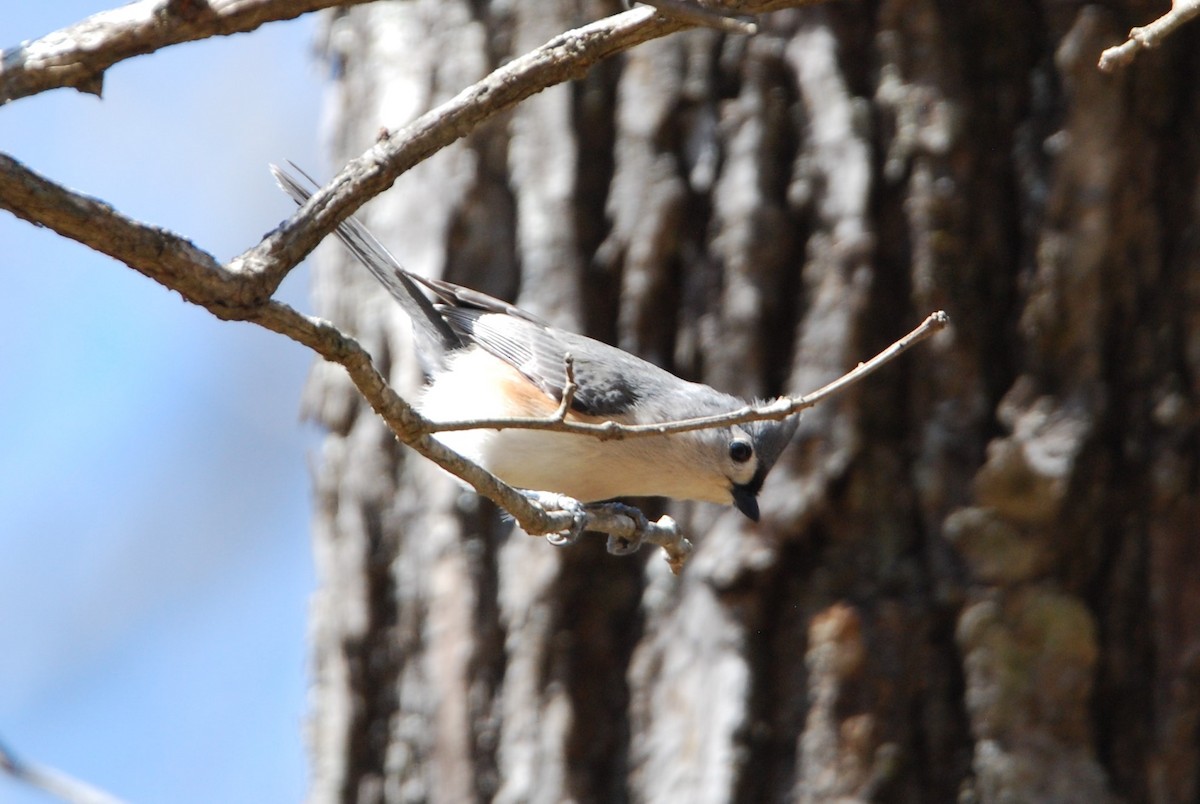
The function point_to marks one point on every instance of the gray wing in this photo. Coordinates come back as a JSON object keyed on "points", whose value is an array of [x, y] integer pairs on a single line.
{"points": [[609, 381]]}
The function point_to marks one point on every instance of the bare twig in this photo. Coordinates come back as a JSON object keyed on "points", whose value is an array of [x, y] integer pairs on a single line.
{"points": [[1149, 36], [777, 409], [569, 389], [78, 55], [54, 782], [933, 323]]}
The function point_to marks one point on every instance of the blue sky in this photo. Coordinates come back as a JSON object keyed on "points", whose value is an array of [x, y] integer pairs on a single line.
{"points": [[154, 488]]}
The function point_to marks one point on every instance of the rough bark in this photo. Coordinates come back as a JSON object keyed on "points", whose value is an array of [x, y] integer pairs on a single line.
{"points": [[976, 573]]}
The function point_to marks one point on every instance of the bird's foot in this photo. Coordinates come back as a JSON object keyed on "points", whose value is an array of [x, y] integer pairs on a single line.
{"points": [[626, 545], [553, 501]]}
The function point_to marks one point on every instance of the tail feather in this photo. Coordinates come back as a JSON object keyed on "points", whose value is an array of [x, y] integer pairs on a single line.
{"points": [[382, 265]]}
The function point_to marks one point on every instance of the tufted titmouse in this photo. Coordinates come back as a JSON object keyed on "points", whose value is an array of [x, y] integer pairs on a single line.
{"points": [[492, 360]]}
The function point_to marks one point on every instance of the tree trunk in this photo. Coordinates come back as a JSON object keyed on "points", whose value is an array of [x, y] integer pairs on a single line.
{"points": [[978, 572]]}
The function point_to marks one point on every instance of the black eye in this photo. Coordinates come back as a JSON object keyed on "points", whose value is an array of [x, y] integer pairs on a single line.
{"points": [[740, 451]]}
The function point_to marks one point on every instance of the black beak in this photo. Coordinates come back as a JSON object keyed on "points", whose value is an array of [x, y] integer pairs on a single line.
{"points": [[746, 499]]}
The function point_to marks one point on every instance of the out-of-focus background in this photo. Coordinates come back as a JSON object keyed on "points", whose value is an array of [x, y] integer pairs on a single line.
{"points": [[154, 494]]}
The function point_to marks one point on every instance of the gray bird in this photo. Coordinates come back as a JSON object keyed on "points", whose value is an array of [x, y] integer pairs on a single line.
{"points": [[492, 360]]}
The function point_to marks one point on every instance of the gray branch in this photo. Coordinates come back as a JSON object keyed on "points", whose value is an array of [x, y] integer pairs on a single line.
{"points": [[778, 409], [78, 55]]}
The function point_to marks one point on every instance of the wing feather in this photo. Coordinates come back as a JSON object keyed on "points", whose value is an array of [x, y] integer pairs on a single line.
{"points": [[602, 373]]}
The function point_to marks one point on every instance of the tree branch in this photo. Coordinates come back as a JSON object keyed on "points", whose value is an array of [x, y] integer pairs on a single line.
{"points": [[54, 782], [78, 55], [778, 409], [1149, 36], [566, 57], [156, 253]]}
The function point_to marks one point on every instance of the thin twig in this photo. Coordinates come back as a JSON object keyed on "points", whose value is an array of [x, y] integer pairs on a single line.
{"points": [[933, 323], [569, 389], [54, 782], [1149, 36], [78, 55], [778, 409]]}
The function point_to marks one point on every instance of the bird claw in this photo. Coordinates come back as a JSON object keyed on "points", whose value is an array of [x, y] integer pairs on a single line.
{"points": [[552, 501], [617, 545], [565, 538], [626, 545]]}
